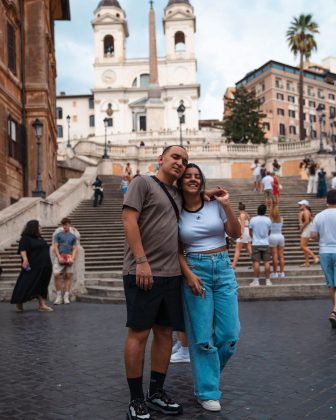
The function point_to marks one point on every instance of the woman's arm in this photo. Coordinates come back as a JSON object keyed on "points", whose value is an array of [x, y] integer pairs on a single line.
{"points": [[305, 219], [194, 282], [232, 226], [24, 257]]}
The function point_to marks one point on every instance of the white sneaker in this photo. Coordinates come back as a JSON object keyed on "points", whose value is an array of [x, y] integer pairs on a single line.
{"points": [[274, 275], [176, 346], [281, 275], [255, 283], [66, 298], [268, 282], [210, 405], [181, 356], [59, 299]]}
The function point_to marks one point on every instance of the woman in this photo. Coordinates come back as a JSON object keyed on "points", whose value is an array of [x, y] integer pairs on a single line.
{"points": [[305, 223], [244, 242], [128, 175], [210, 287], [276, 189], [321, 183], [33, 281], [277, 243]]}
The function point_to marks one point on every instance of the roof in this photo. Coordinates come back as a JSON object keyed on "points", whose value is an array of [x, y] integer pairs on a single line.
{"points": [[171, 2], [104, 3]]}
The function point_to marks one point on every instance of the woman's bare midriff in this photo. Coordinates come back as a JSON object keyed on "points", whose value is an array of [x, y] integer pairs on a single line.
{"points": [[211, 251]]}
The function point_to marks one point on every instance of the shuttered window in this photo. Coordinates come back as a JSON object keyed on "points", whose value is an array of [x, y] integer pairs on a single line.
{"points": [[11, 48]]}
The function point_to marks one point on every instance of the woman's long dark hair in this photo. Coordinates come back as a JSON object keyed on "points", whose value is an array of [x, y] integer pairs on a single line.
{"points": [[193, 165], [32, 228]]}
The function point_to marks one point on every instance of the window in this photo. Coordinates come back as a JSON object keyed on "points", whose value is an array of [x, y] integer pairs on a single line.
{"points": [[180, 41], [280, 111], [109, 46], [282, 129], [144, 80], [314, 134], [11, 48], [262, 86], [15, 150], [312, 104], [60, 131], [332, 112], [292, 129], [291, 113], [320, 94], [278, 83], [110, 122], [331, 96], [312, 118], [303, 102], [280, 96], [266, 126], [310, 91], [291, 99], [262, 99], [92, 120], [91, 103], [59, 113]]}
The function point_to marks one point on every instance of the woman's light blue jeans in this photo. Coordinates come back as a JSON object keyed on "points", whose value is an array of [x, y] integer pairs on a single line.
{"points": [[212, 322]]}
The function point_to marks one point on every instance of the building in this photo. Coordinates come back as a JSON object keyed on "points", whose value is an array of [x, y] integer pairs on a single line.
{"points": [[135, 95], [276, 86], [27, 92]]}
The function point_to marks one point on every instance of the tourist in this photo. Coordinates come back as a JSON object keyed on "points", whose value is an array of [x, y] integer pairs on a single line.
{"points": [[210, 286], [180, 350], [36, 269], [321, 183], [276, 189], [124, 184], [259, 230], [244, 242], [255, 167], [150, 221], [333, 181], [263, 171], [277, 243], [128, 172], [276, 167], [65, 248], [311, 186], [137, 173], [267, 186], [98, 192], [305, 223], [303, 171], [324, 229]]}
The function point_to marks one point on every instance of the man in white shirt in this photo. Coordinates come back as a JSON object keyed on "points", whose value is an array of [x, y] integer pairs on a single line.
{"points": [[324, 229], [255, 167], [267, 185], [333, 181], [259, 230]]}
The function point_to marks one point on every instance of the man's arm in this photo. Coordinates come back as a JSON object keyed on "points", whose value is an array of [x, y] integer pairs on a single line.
{"points": [[144, 278]]}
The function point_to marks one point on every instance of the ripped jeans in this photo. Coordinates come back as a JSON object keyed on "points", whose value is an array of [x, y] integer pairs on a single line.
{"points": [[212, 323]]}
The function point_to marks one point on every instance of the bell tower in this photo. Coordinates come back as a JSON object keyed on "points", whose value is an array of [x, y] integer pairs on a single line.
{"points": [[179, 24]]}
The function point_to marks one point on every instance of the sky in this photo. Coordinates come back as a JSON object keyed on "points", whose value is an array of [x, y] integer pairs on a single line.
{"points": [[233, 38]]}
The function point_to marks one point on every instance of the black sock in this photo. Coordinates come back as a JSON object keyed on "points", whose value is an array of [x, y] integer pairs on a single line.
{"points": [[156, 382], [135, 386]]}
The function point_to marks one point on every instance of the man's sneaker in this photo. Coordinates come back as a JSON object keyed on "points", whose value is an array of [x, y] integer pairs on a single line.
{"points": [[160, 402], [137, 410], [281, 275], [255, 283], [181, 356], [59, 300], [210, 405], [66, 298], [176, 346], [268, 282], [274, 275]]}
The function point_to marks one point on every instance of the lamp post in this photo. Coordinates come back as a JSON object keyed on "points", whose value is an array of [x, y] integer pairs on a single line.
{"points": [[105, 155], [180, 113], [320, 112], [38, 127], [332, 119], [68, 118]]}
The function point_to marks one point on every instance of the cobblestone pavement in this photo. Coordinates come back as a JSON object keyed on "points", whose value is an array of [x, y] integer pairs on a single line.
{"points": [[69, 364]]}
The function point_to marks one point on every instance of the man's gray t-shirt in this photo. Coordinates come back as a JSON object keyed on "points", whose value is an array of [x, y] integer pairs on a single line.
{"points": [[260, 226], [66, 241], [158, 226]]}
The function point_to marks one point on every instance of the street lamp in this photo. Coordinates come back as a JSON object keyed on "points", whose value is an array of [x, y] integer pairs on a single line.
{"points": [[105, 155], [332, 119], [68, 118], [38, 127], [180, 113], [320, 112]]}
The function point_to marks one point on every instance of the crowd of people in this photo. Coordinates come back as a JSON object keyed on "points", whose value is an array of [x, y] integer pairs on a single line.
{"points": [[316, 177]]}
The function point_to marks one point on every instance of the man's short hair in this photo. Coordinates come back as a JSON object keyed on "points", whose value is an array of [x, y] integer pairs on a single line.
{"points": [[65, 220], [331, 197], [262, 210], [166, 149]]}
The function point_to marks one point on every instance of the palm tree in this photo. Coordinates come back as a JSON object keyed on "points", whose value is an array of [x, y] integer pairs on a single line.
{"points": [[302, 42]]}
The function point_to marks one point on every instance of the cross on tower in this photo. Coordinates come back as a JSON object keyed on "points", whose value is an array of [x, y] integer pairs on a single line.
{"points": [[151, 4]]}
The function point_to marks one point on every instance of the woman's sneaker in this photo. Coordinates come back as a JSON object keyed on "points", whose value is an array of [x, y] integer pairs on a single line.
{"points": [[176, 346], [137, 410], [160, 402], [210, 405], [181, 356]]}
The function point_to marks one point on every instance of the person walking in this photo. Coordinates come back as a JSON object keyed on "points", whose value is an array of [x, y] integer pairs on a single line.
{"points": [[276, 189], [98, 192], [65, 248], [324, 230], [152, 280], [36, 269], [255, 167], [244, 242], [124, 184], [128, 172], [305, 223], [267, 186], [321, 184], [277, 243], [311, 186], [259, 231], [210, 286], [276, 167]]}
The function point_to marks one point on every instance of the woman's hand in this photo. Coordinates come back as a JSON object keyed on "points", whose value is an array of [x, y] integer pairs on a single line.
{"points": [[25, 263], [196, 285], [222, 196]]}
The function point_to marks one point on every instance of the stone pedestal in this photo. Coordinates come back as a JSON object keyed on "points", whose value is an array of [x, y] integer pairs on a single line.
{"points": [[105, 167], [155, 115]]}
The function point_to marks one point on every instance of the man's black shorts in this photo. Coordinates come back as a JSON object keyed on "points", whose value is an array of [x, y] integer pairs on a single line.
{"points": [[162, 305]]}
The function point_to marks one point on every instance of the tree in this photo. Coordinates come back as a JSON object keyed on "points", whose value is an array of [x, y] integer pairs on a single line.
{"points": [[244, 120], [301, 42]]}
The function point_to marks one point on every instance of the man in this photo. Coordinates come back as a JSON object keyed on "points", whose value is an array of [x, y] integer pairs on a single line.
{"points": [[324, 229], [259, 231], [255, 167], [267, 186], [333, 181], [98, 192], [152, 279], [65, 248]]}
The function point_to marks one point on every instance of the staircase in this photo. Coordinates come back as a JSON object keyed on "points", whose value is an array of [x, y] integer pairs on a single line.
{"points": [[103, 240]]}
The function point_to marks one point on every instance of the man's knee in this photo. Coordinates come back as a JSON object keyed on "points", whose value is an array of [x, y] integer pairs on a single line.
{"points": [[162, 331], [139, 336]]}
